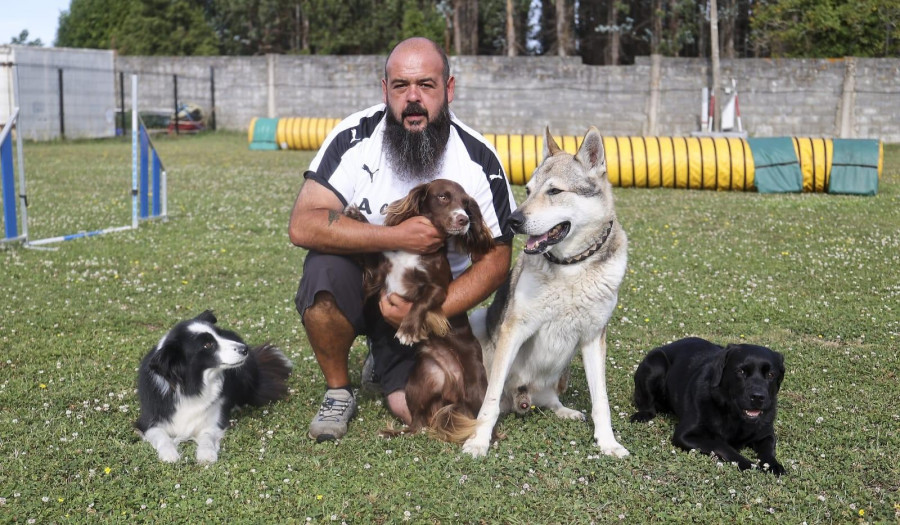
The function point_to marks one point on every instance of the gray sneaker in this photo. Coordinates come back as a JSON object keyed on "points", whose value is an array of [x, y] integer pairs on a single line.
{"points": [[330, 423], [369, 381]]}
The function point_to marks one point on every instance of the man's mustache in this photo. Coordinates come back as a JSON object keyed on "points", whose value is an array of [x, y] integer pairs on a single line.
{"points": [[414, 109]]}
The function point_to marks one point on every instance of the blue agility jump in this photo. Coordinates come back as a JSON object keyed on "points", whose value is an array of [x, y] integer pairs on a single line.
{"points": [[148, 184], [8, 184]]}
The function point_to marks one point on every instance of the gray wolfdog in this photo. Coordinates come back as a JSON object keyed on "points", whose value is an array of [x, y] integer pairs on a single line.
{"points": [[559, 296]]}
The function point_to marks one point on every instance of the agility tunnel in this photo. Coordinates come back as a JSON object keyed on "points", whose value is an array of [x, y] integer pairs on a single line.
{"points": [[766, 165], [299, 133]]}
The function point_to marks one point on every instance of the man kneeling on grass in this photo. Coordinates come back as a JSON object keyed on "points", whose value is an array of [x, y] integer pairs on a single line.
{"points": [[371, 159]]}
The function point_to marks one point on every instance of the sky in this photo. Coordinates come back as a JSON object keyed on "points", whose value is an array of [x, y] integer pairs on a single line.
{"points": [[39, 17]]}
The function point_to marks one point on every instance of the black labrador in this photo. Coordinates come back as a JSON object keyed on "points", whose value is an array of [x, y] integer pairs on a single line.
{"points": [[724, 398]]}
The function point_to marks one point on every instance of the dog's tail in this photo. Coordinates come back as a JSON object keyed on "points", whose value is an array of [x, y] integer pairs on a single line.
{"points": [[453, 424], [274, 368]]}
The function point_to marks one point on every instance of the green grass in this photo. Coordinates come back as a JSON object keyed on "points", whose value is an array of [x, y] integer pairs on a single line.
{"points": [[814, 276]]}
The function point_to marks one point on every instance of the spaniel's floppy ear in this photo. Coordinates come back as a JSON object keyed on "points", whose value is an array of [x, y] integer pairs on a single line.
{"points": [[407, 207], [478, 240]]}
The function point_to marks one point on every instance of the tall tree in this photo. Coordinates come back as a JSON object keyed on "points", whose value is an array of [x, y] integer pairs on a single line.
{"points": [[22, 40], [615, 33], [565, 34], [254, 27], [166, 27], [511, 40], [590, 19], [93, 24], [465, 27], [809, 28], [656, 25]]}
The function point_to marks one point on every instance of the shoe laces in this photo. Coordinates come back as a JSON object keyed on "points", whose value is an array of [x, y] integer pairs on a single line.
{"points": [[333, 409]]}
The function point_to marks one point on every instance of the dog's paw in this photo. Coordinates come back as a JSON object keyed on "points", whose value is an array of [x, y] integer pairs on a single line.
{"points": [[774, 467], [568, 413], [612, 448], [206, 455], [408, 337], [642, 416], [475, 447], [169, 455]]}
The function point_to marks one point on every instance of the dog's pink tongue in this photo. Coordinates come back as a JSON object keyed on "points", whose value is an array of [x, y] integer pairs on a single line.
{"points": [[753, 413], [533, 243]]}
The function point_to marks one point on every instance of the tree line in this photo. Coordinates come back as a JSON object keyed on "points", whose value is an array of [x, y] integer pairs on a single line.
{"points": [[599, 31]]}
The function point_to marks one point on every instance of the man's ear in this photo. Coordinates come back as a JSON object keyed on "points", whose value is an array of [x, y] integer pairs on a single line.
{"points": [[451, 87]]}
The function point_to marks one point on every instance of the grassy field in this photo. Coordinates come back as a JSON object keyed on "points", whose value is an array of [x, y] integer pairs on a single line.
{"points": [[813, 276]]}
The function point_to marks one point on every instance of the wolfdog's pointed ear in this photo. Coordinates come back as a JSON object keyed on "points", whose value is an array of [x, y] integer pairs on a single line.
{"points": [[550, 146], [409, 206], [591, 152]]}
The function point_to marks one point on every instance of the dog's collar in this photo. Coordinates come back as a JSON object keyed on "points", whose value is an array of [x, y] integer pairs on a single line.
{"points": [[585, 254]]}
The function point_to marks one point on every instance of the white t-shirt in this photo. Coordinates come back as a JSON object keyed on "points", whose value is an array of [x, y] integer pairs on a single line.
{"points": [[352, 164]]}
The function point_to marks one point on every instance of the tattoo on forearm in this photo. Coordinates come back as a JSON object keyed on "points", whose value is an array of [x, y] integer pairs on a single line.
{"points": [[333, 217]]}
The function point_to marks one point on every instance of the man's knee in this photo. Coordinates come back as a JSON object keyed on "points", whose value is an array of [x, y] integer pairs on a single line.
{"points": [[324, 313]]}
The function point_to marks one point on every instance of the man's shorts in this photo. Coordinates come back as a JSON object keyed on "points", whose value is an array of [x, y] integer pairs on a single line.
{"points": [[342, 278]]}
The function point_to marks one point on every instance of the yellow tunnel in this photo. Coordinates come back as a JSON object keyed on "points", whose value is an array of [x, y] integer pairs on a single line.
{"points": [[643, 162]]}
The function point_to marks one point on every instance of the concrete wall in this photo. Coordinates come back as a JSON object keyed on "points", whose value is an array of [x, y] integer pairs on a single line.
{"points": [[800, 97]]}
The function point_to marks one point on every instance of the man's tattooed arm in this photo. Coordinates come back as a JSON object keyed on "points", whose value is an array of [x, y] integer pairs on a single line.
{"points": [[333, 217]]}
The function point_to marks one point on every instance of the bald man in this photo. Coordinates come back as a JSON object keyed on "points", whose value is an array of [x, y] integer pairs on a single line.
{"points": [[369, 160]]}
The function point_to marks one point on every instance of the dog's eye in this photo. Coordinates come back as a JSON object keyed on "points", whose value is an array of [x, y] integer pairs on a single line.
{"points": [[554, 191], [527, 191], [209, 345], [771, 374]]}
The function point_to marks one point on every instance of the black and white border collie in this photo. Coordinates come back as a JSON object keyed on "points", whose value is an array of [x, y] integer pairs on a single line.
{"points": [[191, 380]]}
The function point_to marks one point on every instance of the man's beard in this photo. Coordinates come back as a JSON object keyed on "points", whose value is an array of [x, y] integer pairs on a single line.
{"points": [[416, 156]]}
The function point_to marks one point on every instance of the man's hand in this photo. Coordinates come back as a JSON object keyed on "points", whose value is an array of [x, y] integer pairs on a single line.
{"points": [[394, 308], [419, 236], [317, 223]]}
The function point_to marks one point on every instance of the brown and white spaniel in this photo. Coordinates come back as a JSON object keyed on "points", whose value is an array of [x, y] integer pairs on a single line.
{"points": [[447, 384]]}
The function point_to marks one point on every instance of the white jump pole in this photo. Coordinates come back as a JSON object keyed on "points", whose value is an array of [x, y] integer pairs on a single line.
{"points": [[23, 195], [134, 152]]}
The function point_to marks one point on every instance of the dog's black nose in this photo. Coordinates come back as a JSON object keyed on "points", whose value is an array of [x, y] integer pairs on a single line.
{"points": [[516, 220], [757, 398], [242, 349]]}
